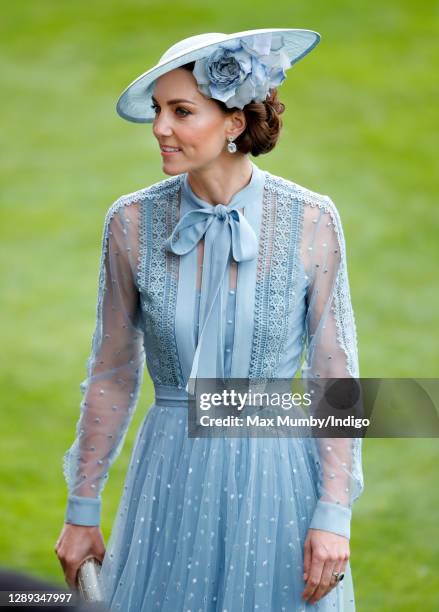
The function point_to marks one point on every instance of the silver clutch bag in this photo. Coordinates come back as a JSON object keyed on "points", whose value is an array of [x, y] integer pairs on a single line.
{"points": [[88, 580]]}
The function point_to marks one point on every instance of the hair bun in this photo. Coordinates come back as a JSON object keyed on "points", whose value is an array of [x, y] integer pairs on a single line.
{"points": [[273, 102], [263, 125]]}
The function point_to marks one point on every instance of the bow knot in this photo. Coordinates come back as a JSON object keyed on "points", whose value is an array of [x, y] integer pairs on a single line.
{"points": [[221, 211], [233, 228]]}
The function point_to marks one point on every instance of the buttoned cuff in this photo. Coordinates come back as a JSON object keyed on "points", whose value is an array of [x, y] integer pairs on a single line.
{"points": [[83, 510], [332, 517]]}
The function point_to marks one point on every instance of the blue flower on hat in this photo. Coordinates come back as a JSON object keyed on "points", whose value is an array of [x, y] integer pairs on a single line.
{"points": [[243, 70]]}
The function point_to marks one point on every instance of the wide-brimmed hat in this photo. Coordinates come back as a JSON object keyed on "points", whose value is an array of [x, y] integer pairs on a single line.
{"points": [[236, 68]]}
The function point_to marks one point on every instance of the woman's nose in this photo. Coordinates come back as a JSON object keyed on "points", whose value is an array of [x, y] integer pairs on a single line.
{"points": [[161, 126]]}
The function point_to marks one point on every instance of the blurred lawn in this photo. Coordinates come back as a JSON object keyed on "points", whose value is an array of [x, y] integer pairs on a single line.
{"points": [[360, 125]]}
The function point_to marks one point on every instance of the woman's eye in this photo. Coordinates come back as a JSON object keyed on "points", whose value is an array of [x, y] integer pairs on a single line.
{"points": [[179, 109]]}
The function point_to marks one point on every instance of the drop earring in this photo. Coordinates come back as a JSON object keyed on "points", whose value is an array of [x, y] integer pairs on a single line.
{"points": [[231, 147]]}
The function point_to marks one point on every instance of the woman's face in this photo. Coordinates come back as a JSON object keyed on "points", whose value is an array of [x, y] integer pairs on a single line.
{"points": [[187, 120]]}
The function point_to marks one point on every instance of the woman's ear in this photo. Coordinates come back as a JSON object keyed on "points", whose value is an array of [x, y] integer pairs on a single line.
{"points": [[236, 123]]}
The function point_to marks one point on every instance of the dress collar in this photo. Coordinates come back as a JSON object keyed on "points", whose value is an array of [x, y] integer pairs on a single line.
{"points": [[245, 196]]}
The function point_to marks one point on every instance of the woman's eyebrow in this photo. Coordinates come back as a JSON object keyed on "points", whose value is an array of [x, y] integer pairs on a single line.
{"points": [[176, 101]]}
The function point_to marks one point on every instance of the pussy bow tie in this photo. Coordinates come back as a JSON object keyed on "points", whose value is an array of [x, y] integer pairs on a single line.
{"points": [[226, 231]]}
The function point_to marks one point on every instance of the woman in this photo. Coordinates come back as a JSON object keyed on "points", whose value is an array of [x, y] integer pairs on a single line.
{"points": [[220, 270]]}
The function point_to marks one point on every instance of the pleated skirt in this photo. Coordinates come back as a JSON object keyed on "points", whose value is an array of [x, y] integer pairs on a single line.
{"points": [[213, 524]]}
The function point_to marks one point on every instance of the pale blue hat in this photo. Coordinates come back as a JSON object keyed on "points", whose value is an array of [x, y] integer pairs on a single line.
{"points": [[235, 68]]}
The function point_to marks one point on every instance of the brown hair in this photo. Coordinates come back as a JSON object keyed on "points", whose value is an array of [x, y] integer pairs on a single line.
{"points": [[263, 122]]}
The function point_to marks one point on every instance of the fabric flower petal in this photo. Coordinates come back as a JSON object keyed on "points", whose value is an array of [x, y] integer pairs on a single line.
{"points": [[243, 70], [200, 72]]}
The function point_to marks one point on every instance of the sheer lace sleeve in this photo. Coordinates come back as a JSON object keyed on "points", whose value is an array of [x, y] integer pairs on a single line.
{"points": [[331, 352], [114, 371]]}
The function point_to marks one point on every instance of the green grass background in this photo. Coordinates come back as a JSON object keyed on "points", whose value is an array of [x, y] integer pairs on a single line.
{"points": [[360, 125]]}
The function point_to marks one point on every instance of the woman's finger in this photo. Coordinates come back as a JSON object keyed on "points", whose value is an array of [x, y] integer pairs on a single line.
{"points": [[340, 567], [334, 582], [306, 559], [343, 565], [315, 573], [70, 568], [325, 581]]}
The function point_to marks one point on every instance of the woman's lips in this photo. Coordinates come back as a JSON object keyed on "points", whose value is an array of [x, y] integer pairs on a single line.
{"points": [[169, 152]]}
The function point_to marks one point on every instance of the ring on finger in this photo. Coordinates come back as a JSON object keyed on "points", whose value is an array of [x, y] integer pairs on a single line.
{"points": [[337, 576]]}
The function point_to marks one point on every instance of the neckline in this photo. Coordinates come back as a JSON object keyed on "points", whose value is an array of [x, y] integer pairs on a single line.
{"points": [[245, 194]]}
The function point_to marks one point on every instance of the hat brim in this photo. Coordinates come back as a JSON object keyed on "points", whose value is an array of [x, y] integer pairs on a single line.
{"points": [[135, 103]]}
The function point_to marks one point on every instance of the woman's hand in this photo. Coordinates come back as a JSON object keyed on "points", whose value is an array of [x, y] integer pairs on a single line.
{"points": [[325, 552], [75, 544]]}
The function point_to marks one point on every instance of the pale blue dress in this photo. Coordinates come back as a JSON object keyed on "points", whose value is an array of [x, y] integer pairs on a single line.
{"points": [[215, 524]]}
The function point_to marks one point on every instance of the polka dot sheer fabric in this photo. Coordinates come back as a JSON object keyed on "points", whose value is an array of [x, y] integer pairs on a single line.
{"points": [[115, 367], [215, 523]]}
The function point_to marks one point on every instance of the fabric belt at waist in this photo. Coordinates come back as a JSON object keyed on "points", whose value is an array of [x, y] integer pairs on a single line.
{"points": [[167, 395]]}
